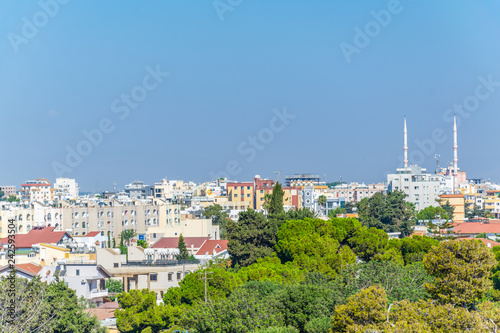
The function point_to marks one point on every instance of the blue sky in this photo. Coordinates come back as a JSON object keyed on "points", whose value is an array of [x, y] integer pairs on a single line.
{"points": [[228, 68]]}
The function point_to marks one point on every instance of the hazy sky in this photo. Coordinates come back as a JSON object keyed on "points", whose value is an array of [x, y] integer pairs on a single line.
{"points": [[194, 89]]}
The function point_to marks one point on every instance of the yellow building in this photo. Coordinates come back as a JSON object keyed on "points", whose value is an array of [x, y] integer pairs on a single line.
{"points": [[458, 202]]}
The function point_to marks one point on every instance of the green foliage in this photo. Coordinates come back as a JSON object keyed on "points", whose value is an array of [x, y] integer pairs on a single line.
{"points": [[300, 303], [276, 203], [2, 194], [219, 217], [315, 245], [349, 207], [390, 212], [127, 235], [109, 239], [252, 237], [69, 313], [476, 212], [142, 243], [114, 243], [368, 307], [449, 209], [114, 286], [139, 313], [431, 213], [242, 312], [299, 214], [366, 312], [277, 330], [12, 198], [400, 282], [413, 249], [337, 211], [462, 270], [221, 283], [271, 269], [319, 325], [183, 251]]}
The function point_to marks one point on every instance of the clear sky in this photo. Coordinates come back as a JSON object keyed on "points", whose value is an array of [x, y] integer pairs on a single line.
{"points": [[190, 89]]}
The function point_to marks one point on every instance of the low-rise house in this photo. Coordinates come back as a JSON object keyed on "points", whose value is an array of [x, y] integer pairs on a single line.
{"points": [[212, 249]]}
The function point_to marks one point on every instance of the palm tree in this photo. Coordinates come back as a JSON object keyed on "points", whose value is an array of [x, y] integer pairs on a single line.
{"points": [[267, 201], [127, 235]]}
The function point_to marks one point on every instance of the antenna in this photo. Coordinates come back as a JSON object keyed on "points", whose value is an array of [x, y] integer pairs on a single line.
{"points": [[437, 156]]}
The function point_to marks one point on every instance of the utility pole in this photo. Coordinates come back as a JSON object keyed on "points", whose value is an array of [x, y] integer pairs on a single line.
{"points": [[206, 278]]}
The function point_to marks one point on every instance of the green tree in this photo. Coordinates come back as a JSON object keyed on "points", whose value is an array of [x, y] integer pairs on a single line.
{"points": [[13, 198], [431, 213], [449, 209], [390, 212], [127, 235], [139, 312], [462, 270], [299, 214], [368, 307], [276, 203], [142, 243], [336, 211], [114, 243], [316, 244], [271, 269], [109, 239], [2, 194], [252, 237], [322, 201], [69, 312], [114, 286], [219, 217], [349, 207], [242, 312], [476, 212], [183, 251]]}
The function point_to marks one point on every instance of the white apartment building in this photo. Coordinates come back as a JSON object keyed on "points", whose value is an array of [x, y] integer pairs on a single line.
{"points": [[355, 192], [66, 189], [36, 190], [421, 188]]}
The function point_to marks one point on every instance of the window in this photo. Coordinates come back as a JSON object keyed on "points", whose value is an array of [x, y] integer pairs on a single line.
{"points": [[77, 272], [153, 277], [115, 265], [236, 195], [170, 276], [154, 235], [248, 195], [248, 187], [179, 275]]}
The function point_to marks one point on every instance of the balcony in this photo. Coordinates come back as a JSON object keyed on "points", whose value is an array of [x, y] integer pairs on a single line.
{"points": [[94, 293]]}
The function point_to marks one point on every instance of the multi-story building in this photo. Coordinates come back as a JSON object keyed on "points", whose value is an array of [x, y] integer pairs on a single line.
{"points": [[355, 192], [242, 194], [8, 191], [137, 190], [421, 188], [302, 180], [66, 189], [36, 190], [458, 203]]}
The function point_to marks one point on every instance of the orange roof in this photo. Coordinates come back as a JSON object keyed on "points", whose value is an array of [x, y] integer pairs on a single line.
{"points": [[101, 314], [476, 228], [36, 235], [212, 246], [452, 196], [173, 242], [32, 268], [487, 242], [92, 234]]}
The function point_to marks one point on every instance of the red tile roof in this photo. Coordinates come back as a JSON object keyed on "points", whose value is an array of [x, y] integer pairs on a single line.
{"points": [[92, 234], [101, 314], [36, 236], [477, 228], [212, 246], [30, 268], [173, 242], [487, 242]]}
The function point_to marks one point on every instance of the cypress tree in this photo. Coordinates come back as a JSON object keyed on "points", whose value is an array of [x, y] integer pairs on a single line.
{"points": [[183, 252], [276, 204]]}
